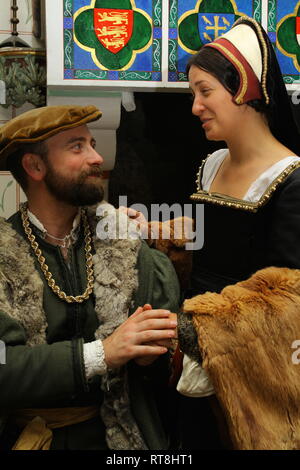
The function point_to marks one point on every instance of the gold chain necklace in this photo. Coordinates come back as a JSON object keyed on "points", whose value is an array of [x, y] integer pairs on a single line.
{"points": [[38, 253]]}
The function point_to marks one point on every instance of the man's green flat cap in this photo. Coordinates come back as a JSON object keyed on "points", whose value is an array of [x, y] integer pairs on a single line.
{"points": [[40, 124]]}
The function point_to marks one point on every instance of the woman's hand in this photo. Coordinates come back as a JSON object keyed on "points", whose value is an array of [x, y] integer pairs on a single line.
{"points": [[138, 218]]}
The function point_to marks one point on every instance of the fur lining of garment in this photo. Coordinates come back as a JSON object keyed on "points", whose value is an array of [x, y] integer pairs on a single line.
{"points": [[116, 280], [21, 288], [245, 337]]}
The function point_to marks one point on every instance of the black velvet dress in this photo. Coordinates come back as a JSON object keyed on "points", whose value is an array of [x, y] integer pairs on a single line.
{"points": [[242, 237]]}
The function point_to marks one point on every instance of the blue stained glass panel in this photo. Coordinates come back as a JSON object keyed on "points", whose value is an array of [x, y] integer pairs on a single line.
{"points": [[214, 21], [81, 59], [283, 11]]}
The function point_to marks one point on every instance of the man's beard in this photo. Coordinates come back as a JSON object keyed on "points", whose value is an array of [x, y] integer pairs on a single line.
{"points": [[75, 192]]}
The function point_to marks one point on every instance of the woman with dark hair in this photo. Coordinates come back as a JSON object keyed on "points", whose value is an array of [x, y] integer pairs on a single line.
{"points": [[239, 387], [251, 194]]}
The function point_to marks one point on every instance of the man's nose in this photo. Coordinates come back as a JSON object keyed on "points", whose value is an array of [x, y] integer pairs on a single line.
{"points": [[95, 157]]}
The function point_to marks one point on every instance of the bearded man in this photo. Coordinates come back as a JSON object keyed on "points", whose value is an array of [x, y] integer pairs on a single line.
{"points": [[85, 351]]}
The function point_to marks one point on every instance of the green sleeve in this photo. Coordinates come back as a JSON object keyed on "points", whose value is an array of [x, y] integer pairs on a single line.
{"points": [[37, 376], [158, 282], [158, 286]]}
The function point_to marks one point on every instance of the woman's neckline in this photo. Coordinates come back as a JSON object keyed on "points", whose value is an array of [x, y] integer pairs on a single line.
{"points": [[260, 177]]}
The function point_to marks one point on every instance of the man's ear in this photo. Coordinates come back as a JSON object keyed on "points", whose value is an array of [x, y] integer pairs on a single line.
{"points": [[34, 166]]}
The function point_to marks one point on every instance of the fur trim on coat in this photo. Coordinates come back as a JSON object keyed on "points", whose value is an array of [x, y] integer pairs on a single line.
{"points": [[245, 337], [21, 288]]}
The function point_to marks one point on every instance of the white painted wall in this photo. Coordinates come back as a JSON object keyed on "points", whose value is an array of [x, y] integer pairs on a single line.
{"points": [[10, 193]]}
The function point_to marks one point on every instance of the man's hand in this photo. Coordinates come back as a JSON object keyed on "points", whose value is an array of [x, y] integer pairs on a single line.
{"points": [[131, 339], [167, 343]]}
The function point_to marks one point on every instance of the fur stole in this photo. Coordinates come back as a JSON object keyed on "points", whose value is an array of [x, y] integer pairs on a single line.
{"points": [[170, 237], [116, 280], [245, 337]]}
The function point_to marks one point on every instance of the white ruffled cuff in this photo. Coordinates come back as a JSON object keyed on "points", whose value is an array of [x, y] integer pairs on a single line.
{"points": [[94, 359]]}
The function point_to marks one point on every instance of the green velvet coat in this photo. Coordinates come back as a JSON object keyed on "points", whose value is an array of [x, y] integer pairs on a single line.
{"points": [[44, 356]]}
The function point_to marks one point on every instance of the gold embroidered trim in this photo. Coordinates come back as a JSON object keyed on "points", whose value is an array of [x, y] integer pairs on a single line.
{"points": [[198, 179], [48, 275], [239, 65], [234, 203], [263, 43]]}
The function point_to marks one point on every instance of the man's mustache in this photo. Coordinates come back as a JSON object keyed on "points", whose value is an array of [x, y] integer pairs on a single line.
{"points": [[93, 172]]}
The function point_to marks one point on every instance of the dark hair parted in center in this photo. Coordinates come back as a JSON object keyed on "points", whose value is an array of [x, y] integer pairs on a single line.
{"points": [[212, 61]]}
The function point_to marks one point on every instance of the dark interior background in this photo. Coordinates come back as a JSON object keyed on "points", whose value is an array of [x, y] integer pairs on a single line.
{"points": [[160, 146]]}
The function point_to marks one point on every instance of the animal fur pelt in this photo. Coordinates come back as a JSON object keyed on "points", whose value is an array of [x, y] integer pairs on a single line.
{"points": [[170, 238], [245, 337]]}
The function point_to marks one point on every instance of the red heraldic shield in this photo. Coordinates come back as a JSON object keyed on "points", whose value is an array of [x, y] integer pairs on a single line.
{"points": [[113, 28], [298, 29]]}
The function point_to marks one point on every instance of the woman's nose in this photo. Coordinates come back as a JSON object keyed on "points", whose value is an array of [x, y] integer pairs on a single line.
{"points": [[198, 106]]}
